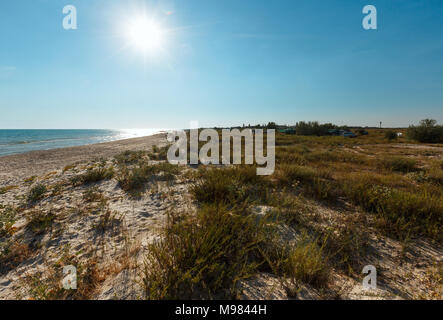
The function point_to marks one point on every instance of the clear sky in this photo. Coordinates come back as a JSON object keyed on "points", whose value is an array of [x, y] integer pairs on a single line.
{"points": [[221, 62]]}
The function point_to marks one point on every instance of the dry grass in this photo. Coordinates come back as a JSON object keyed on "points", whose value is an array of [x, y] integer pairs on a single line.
{"points": [[12, 254], [202, 255], [36, 193], [134, 179], [3, 190], [229, 186], [93, 175], [191, 260], [406, 199], [40, 221]]}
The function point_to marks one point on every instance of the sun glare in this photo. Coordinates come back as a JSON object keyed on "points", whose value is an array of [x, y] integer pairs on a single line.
{"points": [[145, 35]]}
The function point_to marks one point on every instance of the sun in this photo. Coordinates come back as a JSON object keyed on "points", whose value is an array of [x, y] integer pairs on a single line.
{"points": [[145, 35]]}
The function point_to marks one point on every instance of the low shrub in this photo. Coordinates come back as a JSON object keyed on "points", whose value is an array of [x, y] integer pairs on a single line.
{"points": [[128, 156], [347, 245], [400, 212], [427, 131], [93, 175], [135, 178], [306, 263], [229, 186], [36, 193], [7, 220], [288, 174], [321, 189], [435, 176], [159, 153], [401, 164], [390, 135], [202, 256], [93, 195], [39, 221], [12, 254]]}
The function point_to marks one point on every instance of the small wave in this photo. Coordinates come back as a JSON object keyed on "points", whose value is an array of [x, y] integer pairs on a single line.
{"points": [[42, 140], [14, 143]]}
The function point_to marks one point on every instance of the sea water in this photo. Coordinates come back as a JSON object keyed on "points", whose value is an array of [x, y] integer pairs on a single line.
{"points": [[13, 141]]}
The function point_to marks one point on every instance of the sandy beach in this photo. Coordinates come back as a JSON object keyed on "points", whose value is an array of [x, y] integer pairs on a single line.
{"points": [[116, 241], [15, 168], [108, 213]]}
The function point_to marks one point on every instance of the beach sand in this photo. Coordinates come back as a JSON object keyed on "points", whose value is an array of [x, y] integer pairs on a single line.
{"points": [[117, 247], [106, 232], [15, 168]]}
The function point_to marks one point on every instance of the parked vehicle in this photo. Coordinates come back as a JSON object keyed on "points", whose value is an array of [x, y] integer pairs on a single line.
{"points": [[349, 134], [334, 132], [287, 131]]}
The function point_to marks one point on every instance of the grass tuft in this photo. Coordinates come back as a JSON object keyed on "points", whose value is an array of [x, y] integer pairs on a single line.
{"points": [[93, 175], [3, 190], [39, 221], [229, 186], [202, 255], [397, 164], [36, 193]]}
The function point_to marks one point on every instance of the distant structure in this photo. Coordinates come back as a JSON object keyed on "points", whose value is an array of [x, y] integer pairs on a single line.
{"points": [[380, 124]]}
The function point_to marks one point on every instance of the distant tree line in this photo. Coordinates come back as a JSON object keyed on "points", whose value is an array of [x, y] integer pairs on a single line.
{"points": [[313, 128], [427, 131]]}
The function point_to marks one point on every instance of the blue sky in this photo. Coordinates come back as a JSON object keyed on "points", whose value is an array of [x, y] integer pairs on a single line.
{"points": [[224, 62]]}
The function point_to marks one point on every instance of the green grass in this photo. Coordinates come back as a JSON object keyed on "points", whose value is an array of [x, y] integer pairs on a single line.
{"points": [[229, 186], [397, 164], [435, 176], [93, 194], [7, 220], [134, 179], [346, 245], [302, 263], [159, 153], [315, 183], [289, 174], [93, 175], [36, 193], [305, 263], [202, 256], [400, 213], [406, 199], [39, 221], [130, 157]]}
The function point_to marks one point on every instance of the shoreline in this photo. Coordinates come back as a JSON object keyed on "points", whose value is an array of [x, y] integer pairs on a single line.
{"points": [[16, 167]]}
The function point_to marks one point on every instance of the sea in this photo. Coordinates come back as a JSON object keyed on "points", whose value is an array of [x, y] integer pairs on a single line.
{"points": [[14, 141]]}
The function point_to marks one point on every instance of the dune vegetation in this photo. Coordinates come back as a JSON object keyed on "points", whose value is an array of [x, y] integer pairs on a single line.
{"points": [[332, 206]]}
